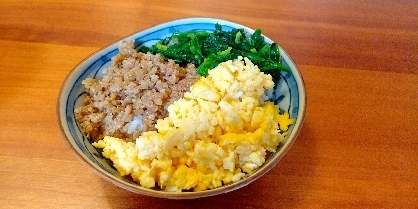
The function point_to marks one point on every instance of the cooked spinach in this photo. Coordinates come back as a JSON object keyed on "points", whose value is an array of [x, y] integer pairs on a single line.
{"points": [[206, 50]]}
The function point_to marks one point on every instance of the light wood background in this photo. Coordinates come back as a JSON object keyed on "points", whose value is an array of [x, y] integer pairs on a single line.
{"points": [[359, 59]]}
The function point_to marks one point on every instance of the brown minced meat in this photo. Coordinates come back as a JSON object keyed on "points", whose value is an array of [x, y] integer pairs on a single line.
{"points": [[135, 84]]}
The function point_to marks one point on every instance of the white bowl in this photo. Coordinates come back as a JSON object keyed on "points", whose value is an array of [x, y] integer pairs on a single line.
{"points": [[289, 95]]}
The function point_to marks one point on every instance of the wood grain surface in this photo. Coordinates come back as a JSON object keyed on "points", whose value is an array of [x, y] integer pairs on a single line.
{"points": [[358, 147]]}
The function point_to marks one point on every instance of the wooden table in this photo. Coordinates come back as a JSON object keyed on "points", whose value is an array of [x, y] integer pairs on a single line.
{"points": [[359, 59]]}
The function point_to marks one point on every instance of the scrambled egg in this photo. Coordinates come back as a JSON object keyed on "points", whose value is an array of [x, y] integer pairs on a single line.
{"points": [[219, 132]]}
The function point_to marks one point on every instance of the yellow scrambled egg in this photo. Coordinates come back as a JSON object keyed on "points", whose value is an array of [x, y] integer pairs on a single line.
{"points": [[219, 132]]}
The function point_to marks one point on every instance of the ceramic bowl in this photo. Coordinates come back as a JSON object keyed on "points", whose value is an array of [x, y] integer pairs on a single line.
{"points": [[289, 95]]}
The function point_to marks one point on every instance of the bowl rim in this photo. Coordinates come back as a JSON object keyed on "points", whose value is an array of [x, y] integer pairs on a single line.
{"points": [[268, 165]]}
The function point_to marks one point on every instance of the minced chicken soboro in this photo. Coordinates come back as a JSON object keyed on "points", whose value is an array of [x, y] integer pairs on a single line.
{"points": [[133, 94]]}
